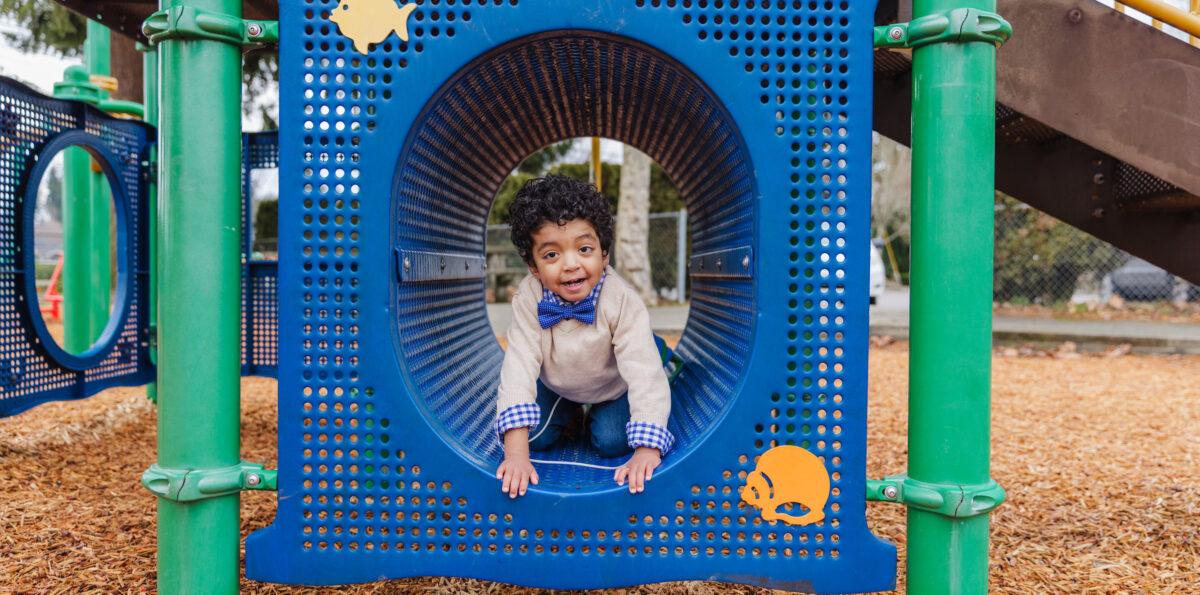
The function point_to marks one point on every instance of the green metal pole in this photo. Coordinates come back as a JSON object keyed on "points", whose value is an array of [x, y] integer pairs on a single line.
{"points": [[199, 251], [150, 100], [98, 59], [77, 247], [953, 163]]}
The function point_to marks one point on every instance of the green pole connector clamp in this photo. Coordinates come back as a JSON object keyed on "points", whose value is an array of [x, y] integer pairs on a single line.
{"points": [[187, 22], [77, 85], [184, 485], [954, 501], [953, 26]]}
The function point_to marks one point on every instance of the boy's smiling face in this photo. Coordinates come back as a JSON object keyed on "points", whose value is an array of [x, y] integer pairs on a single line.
{"points": [[567, 259]]}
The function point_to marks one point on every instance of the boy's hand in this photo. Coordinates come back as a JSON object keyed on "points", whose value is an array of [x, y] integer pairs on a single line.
{"points": [[515, 475], [639, 468], [516, 472]]}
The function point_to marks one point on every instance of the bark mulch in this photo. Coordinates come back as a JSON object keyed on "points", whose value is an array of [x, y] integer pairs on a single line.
{"points": [[1099, 454]]}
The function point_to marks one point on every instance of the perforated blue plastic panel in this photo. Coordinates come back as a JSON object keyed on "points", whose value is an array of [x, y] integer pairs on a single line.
{"points": [[34, 369], [758, 111], [260, 301]]}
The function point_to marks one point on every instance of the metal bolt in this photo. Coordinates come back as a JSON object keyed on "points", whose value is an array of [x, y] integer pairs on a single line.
{"points": [[746, 262], [1098, 179], [468, 264], [896, 33], [253, 480], [890, 492], [1075, 16], [407, 263], [254, 29], [718, 264], [1098, 213], [146, 29]]}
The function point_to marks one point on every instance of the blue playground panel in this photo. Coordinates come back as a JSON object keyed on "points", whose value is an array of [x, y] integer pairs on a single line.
{"points": [[260, 312], [34, 369], [760, 114]]}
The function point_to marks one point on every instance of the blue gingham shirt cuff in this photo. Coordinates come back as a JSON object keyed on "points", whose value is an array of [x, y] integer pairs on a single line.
{"points": [[523, 415], [644, 433]]}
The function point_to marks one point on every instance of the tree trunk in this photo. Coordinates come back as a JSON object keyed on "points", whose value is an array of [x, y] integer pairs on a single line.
{"points": [[633, 223], [126, 65]]}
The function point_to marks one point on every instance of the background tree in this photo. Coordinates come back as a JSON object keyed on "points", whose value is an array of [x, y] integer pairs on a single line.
{"points": [[1041, 259], [891, 174], [50, 196], [633, 223]]}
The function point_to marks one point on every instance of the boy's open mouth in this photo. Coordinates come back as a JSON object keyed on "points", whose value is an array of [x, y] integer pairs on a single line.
{"points": [[574, 284]]}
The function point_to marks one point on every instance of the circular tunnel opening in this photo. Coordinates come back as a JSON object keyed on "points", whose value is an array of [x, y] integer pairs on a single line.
{"points": [[475, 130]]}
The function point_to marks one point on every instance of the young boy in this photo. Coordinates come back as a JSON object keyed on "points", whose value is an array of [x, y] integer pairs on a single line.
{"points": [[579, 335]]}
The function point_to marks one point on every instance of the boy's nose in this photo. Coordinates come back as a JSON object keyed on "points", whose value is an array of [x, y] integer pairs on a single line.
{"points": [[570, 261]]}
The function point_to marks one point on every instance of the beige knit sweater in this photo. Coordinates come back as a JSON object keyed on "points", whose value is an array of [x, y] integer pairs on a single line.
{"points": [[586, 363]]}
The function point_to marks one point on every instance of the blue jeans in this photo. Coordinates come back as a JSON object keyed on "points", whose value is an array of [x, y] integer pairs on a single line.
{"points": [[605, 422]]}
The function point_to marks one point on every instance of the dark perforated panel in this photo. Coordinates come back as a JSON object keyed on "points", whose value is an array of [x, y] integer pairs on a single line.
{"points": [[260, 337], [1134, 184], [33, 368]]}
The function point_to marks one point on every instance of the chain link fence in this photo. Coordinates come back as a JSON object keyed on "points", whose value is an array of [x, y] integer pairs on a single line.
{"points": [[1041, 260], [668, 239]]}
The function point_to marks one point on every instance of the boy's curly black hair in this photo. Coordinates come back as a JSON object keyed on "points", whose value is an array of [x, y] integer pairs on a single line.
{"points": [[557, 199]]}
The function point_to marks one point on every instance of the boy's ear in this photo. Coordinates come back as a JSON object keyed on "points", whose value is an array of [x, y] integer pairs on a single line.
{"points": [[533, 271]]}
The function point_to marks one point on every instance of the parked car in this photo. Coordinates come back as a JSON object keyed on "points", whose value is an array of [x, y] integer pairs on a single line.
{"points": [[877, 277], [1139, 280]]}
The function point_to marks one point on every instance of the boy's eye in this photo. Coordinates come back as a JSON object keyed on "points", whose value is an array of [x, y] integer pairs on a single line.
{"points": [[550, 255], [586, 249]]}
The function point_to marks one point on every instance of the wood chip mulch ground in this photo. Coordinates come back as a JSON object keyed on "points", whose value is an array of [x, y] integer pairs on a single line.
{"points": [[1100, 455]]}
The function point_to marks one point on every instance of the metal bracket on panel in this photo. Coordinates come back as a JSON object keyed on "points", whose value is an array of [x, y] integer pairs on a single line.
{"points": [[190, 485], [735, 262], [189, 22], [951, 500], [415, 265], [952, 26]]}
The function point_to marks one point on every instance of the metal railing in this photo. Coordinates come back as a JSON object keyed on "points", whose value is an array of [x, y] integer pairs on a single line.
{"points": [[1162, 15]]}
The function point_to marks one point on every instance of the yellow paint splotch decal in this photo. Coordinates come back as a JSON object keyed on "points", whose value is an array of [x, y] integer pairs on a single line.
{"points": [[788, 475], [370, 21]]}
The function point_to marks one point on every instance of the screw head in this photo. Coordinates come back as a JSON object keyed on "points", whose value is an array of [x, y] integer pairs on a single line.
{"points": [[890, 492], [1075, 16], [896, 33], [253, 479], [407, 263], [746, 262], [254, 29]]}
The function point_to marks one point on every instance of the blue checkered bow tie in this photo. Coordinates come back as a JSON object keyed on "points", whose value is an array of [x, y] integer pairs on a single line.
{"points": [[551, 313], [553, 310]]}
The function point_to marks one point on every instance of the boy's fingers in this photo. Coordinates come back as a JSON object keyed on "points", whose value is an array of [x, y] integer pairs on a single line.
{"points": [[524, 484], [535, 477], [619, 476]]}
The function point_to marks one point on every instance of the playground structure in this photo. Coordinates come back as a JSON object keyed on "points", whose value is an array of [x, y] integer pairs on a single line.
{"points": [[412, 289]]}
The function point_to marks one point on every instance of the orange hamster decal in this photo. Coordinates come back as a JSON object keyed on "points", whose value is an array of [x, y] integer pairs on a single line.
{"points": [[788, 475]]}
